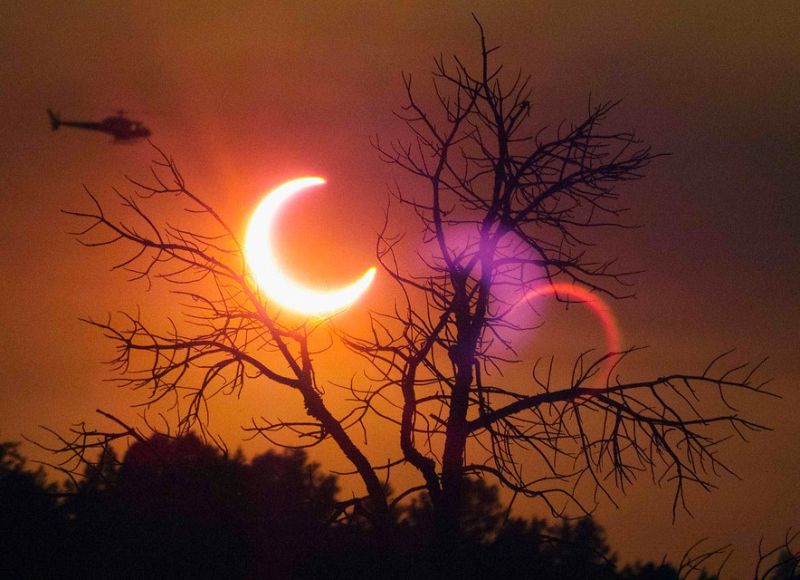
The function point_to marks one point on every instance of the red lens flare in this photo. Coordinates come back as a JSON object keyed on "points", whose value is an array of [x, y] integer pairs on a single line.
{"points": [[598, 307]]}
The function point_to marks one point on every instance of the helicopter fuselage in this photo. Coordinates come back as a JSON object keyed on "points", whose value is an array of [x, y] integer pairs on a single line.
{"points": [[119, 126]]}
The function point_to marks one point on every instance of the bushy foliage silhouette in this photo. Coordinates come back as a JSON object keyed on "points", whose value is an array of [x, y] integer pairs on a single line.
{"points": [[30, 525], [176, 507]]}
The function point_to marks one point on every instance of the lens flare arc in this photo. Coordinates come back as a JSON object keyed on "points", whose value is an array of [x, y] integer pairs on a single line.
{"points": [[265, 267], [598, 307]]}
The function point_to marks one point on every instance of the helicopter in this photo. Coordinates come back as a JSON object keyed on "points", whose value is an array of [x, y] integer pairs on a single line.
{"points": [[121, 127]]}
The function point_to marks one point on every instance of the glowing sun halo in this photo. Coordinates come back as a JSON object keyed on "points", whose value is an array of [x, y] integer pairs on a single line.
{"points": [[266, 269]]}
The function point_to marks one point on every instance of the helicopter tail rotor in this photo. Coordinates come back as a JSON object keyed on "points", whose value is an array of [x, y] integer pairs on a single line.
{"points": [[55, 120]]}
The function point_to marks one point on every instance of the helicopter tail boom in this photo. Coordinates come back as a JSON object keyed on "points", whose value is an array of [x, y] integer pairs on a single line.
{"points": [[55, 120]]}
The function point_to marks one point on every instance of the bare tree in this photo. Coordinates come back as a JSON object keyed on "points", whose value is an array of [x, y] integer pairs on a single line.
{"points": [[230, 337], [785, 555], [527, 200], [506, 208]]}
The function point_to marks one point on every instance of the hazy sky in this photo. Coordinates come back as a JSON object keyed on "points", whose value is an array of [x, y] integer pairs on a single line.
{"points": [[250, 94]]}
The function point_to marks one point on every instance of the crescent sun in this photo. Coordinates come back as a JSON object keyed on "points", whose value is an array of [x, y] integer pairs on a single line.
{"points": [[267, 272]]}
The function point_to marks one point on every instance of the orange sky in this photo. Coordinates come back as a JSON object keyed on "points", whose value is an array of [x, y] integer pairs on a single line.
{"points": [[249, 96]]}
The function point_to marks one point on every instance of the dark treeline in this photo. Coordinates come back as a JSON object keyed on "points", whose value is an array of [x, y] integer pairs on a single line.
{"points": [[178, 508]]}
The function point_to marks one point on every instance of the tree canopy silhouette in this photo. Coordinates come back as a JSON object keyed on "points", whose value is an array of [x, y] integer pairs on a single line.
{"points": [[30, 526], [179, 507]]}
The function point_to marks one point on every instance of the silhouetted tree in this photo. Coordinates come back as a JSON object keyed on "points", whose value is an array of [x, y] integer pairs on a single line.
{"points": [[506, 207], [30, 527], [480, 518], [180, 507], [787, 565], [495, 546]]}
